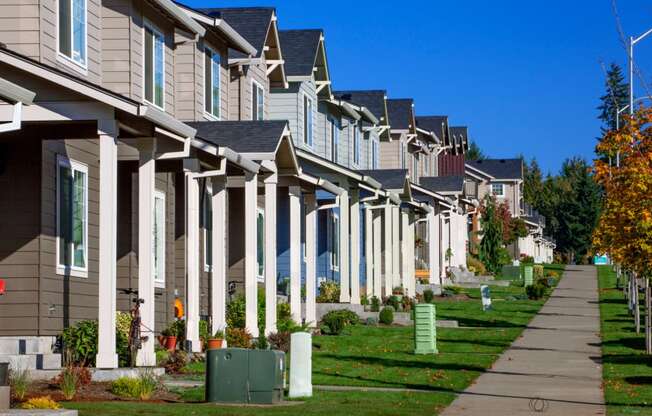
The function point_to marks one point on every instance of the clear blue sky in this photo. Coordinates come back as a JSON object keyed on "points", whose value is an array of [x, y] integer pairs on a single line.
{"points": [[524, 76]]}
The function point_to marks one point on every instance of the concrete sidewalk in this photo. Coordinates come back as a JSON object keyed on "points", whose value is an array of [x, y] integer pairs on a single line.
{"points": [[554, 367]]}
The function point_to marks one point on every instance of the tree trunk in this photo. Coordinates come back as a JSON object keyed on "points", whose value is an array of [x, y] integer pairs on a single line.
{"points": [[637, 311], [648, 318]]}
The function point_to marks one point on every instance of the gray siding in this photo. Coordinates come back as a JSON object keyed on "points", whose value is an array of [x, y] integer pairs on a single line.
{"points": [[287, 104], [390, 155]]}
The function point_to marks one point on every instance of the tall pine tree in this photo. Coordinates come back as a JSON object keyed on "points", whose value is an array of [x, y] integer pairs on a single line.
{"points": [[616, 97], [492, 236], [474, 152]]}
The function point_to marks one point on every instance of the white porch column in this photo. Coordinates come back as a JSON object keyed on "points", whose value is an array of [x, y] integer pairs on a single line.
{"points": [[405, 249], [396, 247], [433, 247], [311, 259], [106, 352], [378, 254], [345, 278], [251, 257], [369, 249], [410, 288], [218, 272], [191, 166], [146, 178], [389, 272], [355, 246], [295, 253], [270, 253]]}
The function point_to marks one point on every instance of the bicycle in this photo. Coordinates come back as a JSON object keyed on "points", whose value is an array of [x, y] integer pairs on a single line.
{"points": [[135, 340]]}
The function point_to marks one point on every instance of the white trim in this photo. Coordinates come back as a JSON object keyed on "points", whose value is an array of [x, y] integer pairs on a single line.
{"points": [[502, 187], [357, 146], [208, 190], [63, 269], [156, 31], [258, 86], [81, 67], [160, 282], [333, 233], [210, 115], [305, 96], [260, 271]]}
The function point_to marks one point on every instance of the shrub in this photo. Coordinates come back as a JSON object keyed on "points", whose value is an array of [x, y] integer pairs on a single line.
{"points": [[504, 258], [19, 382], [204, 333], [386, 316], [535, 291], [288, 325], [123, 323], [407, 304], [235, 312], [126, 387], [428, 296], [279, 341], [283, 311], [475, 264], [537, 270], [524, 258], [161, 357], [364, 300], [80, 343], [375, 304], [43, 402], [394, 302], [176, 361], [329, 292], [261, 343], [68, 383], [238, 338], [147, 385]]}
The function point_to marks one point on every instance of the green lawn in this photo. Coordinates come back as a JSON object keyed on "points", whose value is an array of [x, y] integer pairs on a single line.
{"points": [[626, 371], [383, 357]]}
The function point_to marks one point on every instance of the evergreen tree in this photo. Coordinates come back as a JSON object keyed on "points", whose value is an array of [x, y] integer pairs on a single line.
{"points": [[533, 184], [492, 236], [474, 152], [616, 97]]}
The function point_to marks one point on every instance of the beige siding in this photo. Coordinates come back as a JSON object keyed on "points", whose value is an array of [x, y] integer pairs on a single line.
{"points": [[390, 155], [116, 40], [19, 26], [241, 89]]}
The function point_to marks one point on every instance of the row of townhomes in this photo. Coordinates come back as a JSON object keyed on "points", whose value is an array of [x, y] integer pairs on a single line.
{"points": [[191, 155]]}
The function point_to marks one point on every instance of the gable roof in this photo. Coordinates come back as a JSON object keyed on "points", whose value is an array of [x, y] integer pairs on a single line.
{"points": [[251, 22], [373, 100], [435, 124], [247, 136], [388, 178], [401, 113], [300, 49], [499, 168], [443, 184]]}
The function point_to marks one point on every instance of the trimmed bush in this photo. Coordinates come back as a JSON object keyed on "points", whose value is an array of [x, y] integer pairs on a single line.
{"points": [[279, 341], [474, 264], [537, 270], [386, 316], [43, 402], [535, 291], [238, 338], [126, 387], [394, 302], [428, 296], [375, 304], [283, 311], [334, 322], [329, 292]]}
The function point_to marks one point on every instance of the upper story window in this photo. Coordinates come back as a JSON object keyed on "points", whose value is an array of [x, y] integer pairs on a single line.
{"points": [[154, 51], [212, 64], [415, 167], [403, 161], [72, 217], [426, 166], [374, 155], [257, 101], [159, 238], [498, 189], [335, 139], [72, 30], [356, 144], [307, 120]]}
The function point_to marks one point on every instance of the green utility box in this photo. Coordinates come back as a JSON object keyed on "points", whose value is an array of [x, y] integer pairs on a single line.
{"points": [[236, 375], [425, 330], [511, 272], [528, 274]]}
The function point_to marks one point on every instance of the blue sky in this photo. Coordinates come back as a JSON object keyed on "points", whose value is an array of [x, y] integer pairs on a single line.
{"points": [[524, 76]]}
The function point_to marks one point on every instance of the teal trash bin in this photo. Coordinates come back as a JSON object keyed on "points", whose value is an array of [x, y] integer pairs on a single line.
{"points": [[528, 276], [425, 330]]}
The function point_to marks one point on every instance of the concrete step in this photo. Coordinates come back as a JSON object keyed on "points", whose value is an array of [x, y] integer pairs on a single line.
{"points": [[32, 361], [26, 345]]}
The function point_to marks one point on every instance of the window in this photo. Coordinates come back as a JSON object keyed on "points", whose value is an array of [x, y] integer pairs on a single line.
{"points": [[426, 166], [356, 144], [207, 216], [159, 238], [307, 121], [374, 154], [154, 66], [212, 65], [335, 139], [72, 30], [260, 238], [257, 101], [334, 239], [72, 216], [403, 161], [498, 189], [415, 167]]}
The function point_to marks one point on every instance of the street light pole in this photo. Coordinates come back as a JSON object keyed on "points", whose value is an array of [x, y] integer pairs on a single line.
{"points": [[633, 41]]}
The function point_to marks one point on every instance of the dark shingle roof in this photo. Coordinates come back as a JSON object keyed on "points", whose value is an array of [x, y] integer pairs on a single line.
{"points": [[388, 178], [400, 113], [242, 136], [252, 23], [499, 168], [443, 183], [373, 100], [436, 124], [299, 50]]}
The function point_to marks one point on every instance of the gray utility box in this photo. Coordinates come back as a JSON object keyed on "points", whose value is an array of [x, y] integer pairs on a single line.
{"points": [[236, 375]]}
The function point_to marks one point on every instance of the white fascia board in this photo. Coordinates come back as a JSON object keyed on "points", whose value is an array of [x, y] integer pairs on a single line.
{"points": [[114, 100], [299, 78], [321, 183], [349, 110], [481, 172], [238, 159], [371, 182], [179, 14], [436, 195], [329, 165], [15, 93], [165, 120], [394, 198], [369, 116]]}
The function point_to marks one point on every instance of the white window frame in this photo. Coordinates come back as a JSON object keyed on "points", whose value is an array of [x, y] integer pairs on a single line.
{"points": [[159, 281], [73, 165], [207, 203], [375, 154], [335, 139], [305, 137], [255, 85], [260, 276], [502, 189], [210, 114], [156, 31], [333, 230], [357, 148], [69, 60]]}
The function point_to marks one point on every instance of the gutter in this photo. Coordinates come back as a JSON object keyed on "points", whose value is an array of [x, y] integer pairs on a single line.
{"points": [[322, 183], [18, 96]]}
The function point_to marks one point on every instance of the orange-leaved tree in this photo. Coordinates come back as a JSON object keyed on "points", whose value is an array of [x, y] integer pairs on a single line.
{"points": [[625, 226]]}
